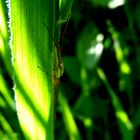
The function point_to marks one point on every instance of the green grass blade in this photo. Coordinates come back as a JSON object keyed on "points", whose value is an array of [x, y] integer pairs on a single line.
{"points": [[5, 53], [65, 8], [125, 83], [124, 123], [32, 49], [69, 121], [7, 128]]}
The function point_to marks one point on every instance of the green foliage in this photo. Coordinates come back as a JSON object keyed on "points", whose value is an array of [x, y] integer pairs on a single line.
{"points": [[69, 119], [89, 47], [99, 90], [64, 9], [31, 50]]}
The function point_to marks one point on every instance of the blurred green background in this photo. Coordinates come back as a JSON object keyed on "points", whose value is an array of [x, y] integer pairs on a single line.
{"points": [[99, 90]]}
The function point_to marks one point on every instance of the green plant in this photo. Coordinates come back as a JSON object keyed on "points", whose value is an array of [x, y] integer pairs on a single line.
{"points": [[33, 48], [98, 90]]}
